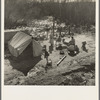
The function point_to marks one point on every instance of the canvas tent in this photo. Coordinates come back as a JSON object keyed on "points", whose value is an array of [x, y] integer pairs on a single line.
{"points": [[22, 41]]}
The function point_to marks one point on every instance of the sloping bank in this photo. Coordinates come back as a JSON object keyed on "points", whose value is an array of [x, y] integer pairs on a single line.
{"points": [[78, 71]]}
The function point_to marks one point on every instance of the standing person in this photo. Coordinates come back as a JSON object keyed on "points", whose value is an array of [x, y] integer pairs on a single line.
{"points": [[51, 39], [50, 48], [46, 54], [59, 30], [47, 30]]}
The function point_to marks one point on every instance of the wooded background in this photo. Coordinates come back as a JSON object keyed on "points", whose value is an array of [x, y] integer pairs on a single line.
{"points": [[20, 12]]}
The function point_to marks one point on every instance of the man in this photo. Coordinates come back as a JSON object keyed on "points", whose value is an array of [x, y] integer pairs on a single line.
{"points": [[46, 54], [51, 39], [72, 42]]}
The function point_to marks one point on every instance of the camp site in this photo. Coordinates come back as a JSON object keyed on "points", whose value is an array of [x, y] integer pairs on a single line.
{"points": [[49, 42]]}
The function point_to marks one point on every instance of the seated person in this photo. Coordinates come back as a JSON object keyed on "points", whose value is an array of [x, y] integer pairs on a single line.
{"points": [[59, 39], [72, 42]]}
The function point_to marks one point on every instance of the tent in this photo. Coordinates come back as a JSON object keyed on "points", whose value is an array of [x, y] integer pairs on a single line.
{"points": [[21, 43]]}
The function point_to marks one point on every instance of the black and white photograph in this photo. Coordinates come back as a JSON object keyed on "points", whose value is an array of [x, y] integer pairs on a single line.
{"points": [[50, 42]]}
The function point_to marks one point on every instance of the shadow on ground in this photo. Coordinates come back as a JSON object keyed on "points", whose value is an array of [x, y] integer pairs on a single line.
{"points": [[24, 66], [24, 62]]}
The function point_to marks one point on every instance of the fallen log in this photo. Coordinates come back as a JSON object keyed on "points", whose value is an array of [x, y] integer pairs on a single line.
{"points": [[61, 60]]}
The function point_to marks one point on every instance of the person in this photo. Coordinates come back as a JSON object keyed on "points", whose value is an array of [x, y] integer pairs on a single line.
{"points": [[50, 48], [46, 54], [72, 42], [84, 46], [51, 39], [59, 39]]}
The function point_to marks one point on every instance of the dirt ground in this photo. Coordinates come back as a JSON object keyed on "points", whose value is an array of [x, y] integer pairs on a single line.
{"points": [[77, 70]]}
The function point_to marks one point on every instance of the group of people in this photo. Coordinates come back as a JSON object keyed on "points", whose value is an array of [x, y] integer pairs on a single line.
{"points": [[72, 42], [46, 53]]}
